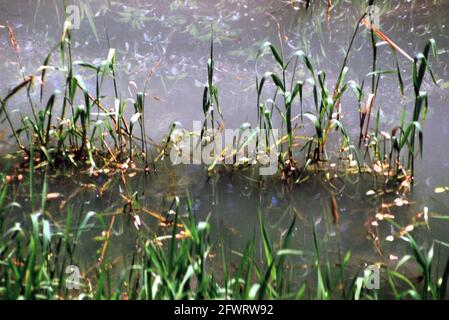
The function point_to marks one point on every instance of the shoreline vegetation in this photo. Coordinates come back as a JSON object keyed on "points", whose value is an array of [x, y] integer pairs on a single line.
{"points": [[36, 260], [75, 128], [88, 134]]}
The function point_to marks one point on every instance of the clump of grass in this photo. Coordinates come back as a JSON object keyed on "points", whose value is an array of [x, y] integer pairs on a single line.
{"points": [[185, 264], [80, 135], [288, 91], [90, 134], [34, 253], [210, 94]]}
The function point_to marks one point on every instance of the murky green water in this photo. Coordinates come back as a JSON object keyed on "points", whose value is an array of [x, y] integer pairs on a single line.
{"points": [[172, 38]]}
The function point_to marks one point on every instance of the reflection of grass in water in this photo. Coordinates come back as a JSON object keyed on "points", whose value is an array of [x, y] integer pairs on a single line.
{"points": [[134, 16], [85, 12]]}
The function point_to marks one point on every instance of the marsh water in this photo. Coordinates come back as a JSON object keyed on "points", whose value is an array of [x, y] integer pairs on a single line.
{"points": [[171, 39]]}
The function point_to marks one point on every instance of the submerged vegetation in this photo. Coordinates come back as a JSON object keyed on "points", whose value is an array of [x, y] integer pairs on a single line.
{"points": [[79, 127]]}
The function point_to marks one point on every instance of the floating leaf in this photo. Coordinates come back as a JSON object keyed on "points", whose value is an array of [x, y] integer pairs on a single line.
{"points": [[441, 189], [54, 195]]}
